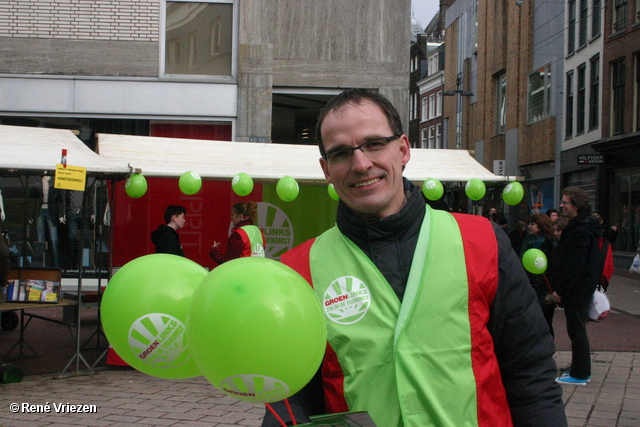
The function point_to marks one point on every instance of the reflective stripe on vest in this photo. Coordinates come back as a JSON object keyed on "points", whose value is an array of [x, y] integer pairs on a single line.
{"points": [[253, 241], [429, 360]]}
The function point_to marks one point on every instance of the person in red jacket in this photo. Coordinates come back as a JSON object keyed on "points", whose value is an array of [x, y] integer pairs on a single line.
{"points": [[246, 239]]}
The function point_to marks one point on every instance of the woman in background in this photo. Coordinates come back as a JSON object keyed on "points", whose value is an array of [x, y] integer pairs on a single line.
{"points": [[541, 235], [246, 239]]}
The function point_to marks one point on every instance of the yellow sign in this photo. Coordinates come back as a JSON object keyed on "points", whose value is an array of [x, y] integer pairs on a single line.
{"points": [[71, 177]]}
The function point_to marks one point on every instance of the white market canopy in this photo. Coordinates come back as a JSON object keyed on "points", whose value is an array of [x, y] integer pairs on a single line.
{"points": [[171, 157], [37, 149]]}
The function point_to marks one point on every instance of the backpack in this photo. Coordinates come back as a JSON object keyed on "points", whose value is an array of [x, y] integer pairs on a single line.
{"points": [[607, 262]]}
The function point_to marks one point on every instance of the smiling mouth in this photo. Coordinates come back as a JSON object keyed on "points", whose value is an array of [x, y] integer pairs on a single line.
{"points": [[365, 183]]}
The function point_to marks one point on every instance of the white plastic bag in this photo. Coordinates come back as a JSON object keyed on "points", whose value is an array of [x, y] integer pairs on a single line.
{"points": [[635, 267], [600, 306]]}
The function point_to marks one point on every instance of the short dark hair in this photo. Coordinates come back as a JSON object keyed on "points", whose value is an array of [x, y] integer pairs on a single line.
{"points": [[578, 198], [173, 210], [550, 211], [358, 96]]}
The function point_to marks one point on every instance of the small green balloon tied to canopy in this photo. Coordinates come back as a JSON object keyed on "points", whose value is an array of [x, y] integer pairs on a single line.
{"points": [[432, 189], [136, 186], [475, 189], [287, 189], [190, 183], [242, 184], [513, 193]]}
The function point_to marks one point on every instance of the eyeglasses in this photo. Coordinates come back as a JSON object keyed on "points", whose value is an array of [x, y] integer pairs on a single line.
{"points": [[565, 203], [369, 148]]}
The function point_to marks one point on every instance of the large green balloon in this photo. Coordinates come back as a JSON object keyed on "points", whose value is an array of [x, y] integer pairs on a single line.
{"points": [[242, 184], [144, 310], [256, 330], [287, 189], [136, 186], [475, 189], [432, 189], [332, 192], [190, 183], [513, 193], [534, 261]]}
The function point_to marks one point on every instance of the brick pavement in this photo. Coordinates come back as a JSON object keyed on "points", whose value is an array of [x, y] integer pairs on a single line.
{"points": [[128, 397]]}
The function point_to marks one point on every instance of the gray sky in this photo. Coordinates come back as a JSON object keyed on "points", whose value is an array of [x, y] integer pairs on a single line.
{"points": [[424, 10]]}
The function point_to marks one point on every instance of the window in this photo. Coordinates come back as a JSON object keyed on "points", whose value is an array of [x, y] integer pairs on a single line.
{"points": [[595, 18], [424, 110], [581, 101], [433, 64], [439, 135], [617, 86], [414, 106], [620, 15], [539, 94], [423, 138], [582, 26], [198, 38], [432, 106], [636, 102], [501, 101], [432, 137], [439, 103], [569, 106], [571, 29], [594, 92]]}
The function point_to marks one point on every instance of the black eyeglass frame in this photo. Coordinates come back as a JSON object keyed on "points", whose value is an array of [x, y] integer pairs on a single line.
{"points": [[352, 150]]}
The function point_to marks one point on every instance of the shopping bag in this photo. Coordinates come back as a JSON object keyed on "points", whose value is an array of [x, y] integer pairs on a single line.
{"points": [[635, 267], [599, 306]]}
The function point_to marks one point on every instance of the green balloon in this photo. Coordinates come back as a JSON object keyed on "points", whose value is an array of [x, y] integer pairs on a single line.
{"points": [[256, 329], [432, 189], [534, 261], [287, 189], [144, 310], [190, 183], [242, 184], [136, 186], [475, 189], [332, 192], [513, 193]]}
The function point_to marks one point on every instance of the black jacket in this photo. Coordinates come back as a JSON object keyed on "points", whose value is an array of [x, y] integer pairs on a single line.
{"points": [[578, 260], [166, 240], [523, 345]]}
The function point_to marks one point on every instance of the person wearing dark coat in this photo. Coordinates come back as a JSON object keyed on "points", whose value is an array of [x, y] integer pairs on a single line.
{"points": [[541, 237], [388, 242], [576, 278], [165, 237]]}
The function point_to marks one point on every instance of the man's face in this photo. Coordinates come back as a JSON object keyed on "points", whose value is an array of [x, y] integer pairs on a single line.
{"points": [[369, 183], [179, 220], [567, 207], [553, 216]]}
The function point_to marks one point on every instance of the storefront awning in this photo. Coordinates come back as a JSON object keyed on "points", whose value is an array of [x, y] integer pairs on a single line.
{"points": [[36, 149], [170, 157]]}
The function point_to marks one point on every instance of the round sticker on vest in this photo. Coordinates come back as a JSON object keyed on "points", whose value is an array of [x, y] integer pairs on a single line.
{"points": [[346, 300], [255, 388], [158, 339]]}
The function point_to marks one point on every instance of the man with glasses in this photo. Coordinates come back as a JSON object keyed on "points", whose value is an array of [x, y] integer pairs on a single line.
{"points": [[579, 269], [430, 316]]}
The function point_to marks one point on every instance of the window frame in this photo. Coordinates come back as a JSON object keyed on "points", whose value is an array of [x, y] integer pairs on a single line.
{"points": [[501, 102], [569, 105], [618, 75], [571, 27], [163, 42], [594, 92], [546, 94]]}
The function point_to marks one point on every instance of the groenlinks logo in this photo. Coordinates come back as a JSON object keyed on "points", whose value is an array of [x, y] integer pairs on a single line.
{"points": [[255, 388], [258, 250], [277, 229], [346, 300], [159, 340]]}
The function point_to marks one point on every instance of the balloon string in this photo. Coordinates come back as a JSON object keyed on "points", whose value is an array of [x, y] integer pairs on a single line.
{"points": [[282, 423], [549, 285], [286, 402]]}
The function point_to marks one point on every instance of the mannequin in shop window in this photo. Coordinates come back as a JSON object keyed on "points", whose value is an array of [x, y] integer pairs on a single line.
{"points": [[71, 216], [49, 202]]}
